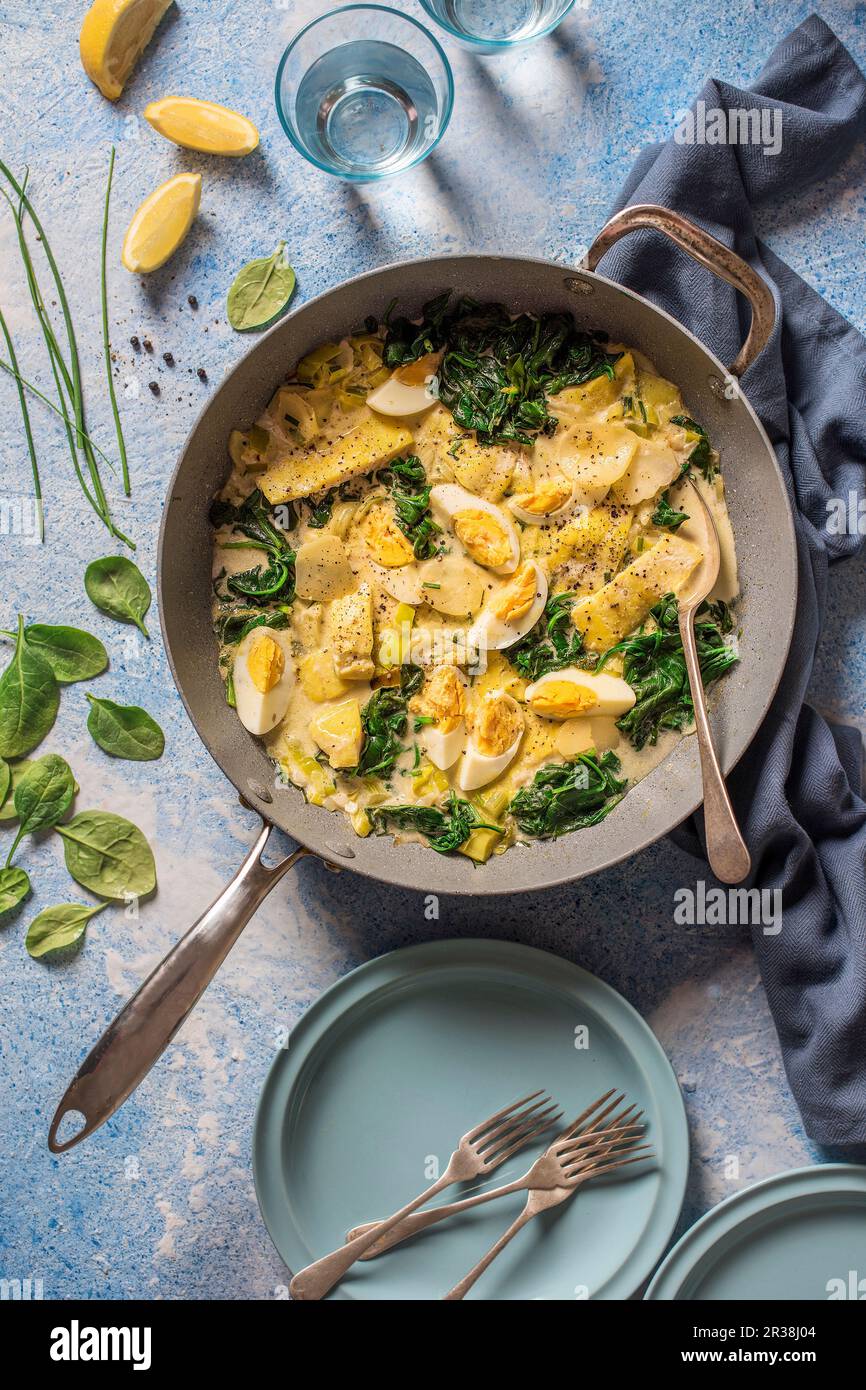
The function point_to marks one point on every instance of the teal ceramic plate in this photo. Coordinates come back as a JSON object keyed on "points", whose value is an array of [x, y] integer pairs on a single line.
{"points": [[798, 1236], [391, 1065]]}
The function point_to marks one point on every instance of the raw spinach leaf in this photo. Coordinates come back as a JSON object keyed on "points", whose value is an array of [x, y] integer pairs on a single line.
{"points": [[261, 290], [18, 770], [60, 926], [72, 654], [125, 731], [446, 827], [14, 887], [108, 855], [5, 780], [44, 793], [29, 699], [566, 797], [119, 588]]}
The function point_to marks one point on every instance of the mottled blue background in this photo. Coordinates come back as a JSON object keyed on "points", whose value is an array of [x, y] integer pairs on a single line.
{"points": [[161, 1202]]}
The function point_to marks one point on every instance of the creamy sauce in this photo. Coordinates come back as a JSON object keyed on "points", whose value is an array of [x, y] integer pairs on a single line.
{"points": [[366, 604]]}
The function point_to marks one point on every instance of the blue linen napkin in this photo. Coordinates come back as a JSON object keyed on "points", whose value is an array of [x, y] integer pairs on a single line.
{"points": [[798, 790]]}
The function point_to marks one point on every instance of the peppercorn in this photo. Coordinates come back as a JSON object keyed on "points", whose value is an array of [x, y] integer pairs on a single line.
{"points": [[154, 386], [192, 301], [202, 374], [168, 359], [135, 343]]}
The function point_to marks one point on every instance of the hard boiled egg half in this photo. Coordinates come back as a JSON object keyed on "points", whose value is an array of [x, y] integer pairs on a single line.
{"points": [[512, 611], [263, 679], [409, 390], [549, 499], [497, 728], [484, 530], [443, 700], [570, 693]]}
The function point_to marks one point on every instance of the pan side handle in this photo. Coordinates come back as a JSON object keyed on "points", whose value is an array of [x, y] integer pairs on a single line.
{"points": [[146, 1025], [708, 252]]}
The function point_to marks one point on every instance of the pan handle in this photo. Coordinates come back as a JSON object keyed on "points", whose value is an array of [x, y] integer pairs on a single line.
{"points": [[708, 252], [146, 1025]]}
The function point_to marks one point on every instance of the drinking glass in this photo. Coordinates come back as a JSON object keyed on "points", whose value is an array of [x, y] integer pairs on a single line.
{"points": [[364, 92], [493, 26]]}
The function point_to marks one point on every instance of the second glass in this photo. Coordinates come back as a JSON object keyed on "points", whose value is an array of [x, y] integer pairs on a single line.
{"points": [[492, 26], [364, 92]]}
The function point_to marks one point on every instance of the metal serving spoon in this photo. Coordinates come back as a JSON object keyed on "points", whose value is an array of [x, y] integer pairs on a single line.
{"points": [[726, 849]]}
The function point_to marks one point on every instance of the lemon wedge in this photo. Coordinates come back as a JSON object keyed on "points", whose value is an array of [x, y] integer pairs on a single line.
{"points": [[202, 125], [113, 37], [161, 223]]}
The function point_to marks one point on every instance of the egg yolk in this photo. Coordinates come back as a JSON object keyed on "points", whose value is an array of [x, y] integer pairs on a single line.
{"points": [[517, 598], [496, 724], [266, 663], [486, 540], [563, 699], [385, 541], [417, 372], [443, 699], [547, 497]]}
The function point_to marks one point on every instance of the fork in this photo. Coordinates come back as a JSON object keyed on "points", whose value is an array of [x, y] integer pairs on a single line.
{"points": [[578, 1168], [479, 1151], [545, 1172]]}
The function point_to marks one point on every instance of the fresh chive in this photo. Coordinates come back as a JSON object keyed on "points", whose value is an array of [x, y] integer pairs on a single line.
{"points": [[25, 413], [71, 371], [118, 428]]}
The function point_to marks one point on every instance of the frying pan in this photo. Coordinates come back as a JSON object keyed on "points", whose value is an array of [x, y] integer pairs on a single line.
{"points": [[764, 532]]}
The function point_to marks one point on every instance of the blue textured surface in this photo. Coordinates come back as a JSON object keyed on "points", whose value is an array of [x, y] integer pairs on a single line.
{"points": [[161, 1203]]}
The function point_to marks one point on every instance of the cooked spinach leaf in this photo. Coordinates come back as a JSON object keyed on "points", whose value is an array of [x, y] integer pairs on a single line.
{"points": [[552, 644], [666, 515], [497, 372], [384, 719], [655, 667], [702, 456], [233, 625], [29, 699], [124, 731], [407, 482], [571, 796], [445, 827], [320, 511], [254, 519]]}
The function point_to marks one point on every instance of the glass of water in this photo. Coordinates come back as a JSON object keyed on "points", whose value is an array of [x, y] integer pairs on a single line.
{"points": [[364, 92], [491, 26]]}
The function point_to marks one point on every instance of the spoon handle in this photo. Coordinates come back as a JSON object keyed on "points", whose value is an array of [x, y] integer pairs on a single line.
{"points": [[726, 849]]}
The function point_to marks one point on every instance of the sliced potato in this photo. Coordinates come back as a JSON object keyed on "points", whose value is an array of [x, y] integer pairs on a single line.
{"points": [[621, 605], [322, 569], [301, 471]]}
